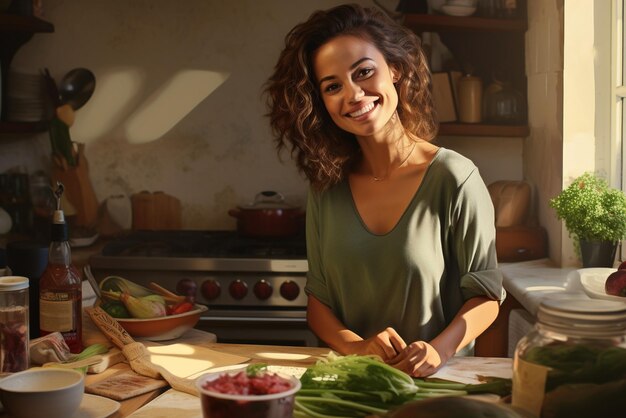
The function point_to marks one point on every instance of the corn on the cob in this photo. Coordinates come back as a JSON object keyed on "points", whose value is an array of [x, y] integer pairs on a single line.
{"points": [[152, 306]]}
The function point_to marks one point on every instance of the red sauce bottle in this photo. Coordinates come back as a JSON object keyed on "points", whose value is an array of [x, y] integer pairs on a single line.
{"points": [[60, 286]]}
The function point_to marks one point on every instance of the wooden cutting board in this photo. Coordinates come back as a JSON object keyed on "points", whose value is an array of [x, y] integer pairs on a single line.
{"points": [[156, 210], [185, 360]]}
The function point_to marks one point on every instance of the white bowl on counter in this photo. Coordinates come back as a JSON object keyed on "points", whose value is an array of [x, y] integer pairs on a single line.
{"points": [[42, 392]]}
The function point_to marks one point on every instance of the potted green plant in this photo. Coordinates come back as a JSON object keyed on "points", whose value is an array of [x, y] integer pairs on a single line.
{"points": [[595, 217]]}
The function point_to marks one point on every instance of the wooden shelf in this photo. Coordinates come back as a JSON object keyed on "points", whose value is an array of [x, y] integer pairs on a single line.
{"points": [[437, 23], [23, 127], [17, 23], [478, 129]]}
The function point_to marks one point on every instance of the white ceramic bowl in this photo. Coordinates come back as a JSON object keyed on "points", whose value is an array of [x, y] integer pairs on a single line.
{"points": [[42, 392], [463, 3], [458, 10], [222, 405]]}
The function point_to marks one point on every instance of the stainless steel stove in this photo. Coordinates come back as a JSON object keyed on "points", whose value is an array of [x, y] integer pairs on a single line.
{"points": [[254, 287]]}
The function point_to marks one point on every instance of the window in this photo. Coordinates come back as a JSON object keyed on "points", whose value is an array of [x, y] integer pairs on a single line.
{"points": [[618, 110]]}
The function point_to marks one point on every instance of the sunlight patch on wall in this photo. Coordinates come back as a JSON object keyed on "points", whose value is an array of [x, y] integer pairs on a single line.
{"points": [[112, 100], [172, 102]]}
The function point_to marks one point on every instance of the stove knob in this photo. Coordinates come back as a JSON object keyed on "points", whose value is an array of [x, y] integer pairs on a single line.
{"points": [[187, 287], [263, 290], [211, 289], [289, 290], [238, 289]]}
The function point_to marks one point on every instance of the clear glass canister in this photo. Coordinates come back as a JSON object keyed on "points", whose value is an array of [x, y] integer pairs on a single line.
{"points": [[14, 333], [573, 363]]}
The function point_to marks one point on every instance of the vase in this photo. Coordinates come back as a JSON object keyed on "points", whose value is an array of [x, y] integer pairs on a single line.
{"points": [[598, 253]]}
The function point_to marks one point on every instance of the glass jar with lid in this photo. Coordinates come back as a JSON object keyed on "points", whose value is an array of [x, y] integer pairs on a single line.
{"points": [[573, 363], [14, 334], [503, 104]]}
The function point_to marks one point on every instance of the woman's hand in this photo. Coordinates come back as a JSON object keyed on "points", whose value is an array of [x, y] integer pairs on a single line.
{"points": [[386, 344], [419, 359]]}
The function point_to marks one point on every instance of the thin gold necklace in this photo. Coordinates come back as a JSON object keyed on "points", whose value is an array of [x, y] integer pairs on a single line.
{"points": [[398, 166]]}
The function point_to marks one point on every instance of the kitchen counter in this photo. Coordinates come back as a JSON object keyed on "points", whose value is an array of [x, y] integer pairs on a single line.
{"points": [[170, 403], [527, 283], [531, 281], [274, 355]]}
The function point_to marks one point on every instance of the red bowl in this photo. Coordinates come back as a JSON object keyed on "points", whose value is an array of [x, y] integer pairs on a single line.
{"points": [[162, 328]]}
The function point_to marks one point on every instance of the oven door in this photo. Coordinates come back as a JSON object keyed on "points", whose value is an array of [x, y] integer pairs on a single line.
{"points": [[288, 328]]}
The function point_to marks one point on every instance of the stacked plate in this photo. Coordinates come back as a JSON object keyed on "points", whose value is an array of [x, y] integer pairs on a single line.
{"points": [[26, 99], [459, 7]]}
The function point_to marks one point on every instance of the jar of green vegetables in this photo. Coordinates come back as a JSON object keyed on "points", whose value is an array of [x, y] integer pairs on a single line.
{"points": [[573, 363]]}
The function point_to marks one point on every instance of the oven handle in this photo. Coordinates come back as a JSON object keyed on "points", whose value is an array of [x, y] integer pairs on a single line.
{"points": [[252, 319]]}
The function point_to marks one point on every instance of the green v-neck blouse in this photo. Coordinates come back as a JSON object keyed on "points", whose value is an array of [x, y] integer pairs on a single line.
{"points": [[415, 277]]}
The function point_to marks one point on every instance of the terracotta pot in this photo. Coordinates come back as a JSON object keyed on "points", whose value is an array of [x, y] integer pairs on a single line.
{"points": [[268, 217]]}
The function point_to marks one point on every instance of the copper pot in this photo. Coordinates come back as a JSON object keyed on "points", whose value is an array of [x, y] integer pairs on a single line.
{"points": [[269, 216]]}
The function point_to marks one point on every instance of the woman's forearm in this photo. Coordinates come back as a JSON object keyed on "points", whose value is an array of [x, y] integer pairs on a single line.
{"points": [[474, 317], [327, 327]]}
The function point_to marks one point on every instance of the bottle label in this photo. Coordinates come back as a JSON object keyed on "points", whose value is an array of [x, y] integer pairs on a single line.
{"points": [[55, 312], [529, 384]]}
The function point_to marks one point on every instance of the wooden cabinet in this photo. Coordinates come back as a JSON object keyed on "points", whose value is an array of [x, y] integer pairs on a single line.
{"points": [[16, 30], [494, 342], [490, 46]]}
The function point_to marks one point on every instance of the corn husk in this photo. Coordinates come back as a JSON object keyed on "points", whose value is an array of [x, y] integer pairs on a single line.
{"points": [[151, 306], [115, 285]]}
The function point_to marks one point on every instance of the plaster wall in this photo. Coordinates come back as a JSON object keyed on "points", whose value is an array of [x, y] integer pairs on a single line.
{"points": [[219, 153]]}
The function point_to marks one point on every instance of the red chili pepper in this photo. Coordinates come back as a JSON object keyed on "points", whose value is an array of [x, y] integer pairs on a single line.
{"points": [[182, 308]]}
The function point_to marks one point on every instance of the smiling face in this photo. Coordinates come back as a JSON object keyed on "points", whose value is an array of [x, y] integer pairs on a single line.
{"points": [[356, 85]]}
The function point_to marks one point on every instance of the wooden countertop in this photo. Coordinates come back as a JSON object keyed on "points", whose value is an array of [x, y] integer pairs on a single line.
{"points": [[271, 355], [175, 404]]}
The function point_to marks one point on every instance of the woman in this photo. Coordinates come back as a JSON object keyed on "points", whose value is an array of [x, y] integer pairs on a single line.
{"points": [[400, 233]]}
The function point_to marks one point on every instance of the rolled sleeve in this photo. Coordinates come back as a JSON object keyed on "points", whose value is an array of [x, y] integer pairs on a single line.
{"points": [[475, 237], [316, 282]]}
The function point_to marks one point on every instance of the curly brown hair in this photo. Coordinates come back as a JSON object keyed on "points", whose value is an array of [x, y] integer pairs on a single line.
{"points": [[323, 152]]}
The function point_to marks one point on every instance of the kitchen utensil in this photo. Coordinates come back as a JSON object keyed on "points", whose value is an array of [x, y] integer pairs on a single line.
{"points": [[51, 87], [42, 392], [79, 191], [76, 87], [268, 216], [136, 353], [92, 280]]}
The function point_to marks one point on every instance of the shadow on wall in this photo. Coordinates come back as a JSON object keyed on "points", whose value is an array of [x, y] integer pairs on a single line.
{"points": [[121, 92]]}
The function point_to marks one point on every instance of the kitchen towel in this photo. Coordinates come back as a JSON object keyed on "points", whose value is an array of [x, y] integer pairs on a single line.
{"points": [[138, 355], [125, 385]]}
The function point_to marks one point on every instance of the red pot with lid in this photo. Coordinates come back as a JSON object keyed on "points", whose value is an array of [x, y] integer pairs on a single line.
{"points": [[269, 216]]}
